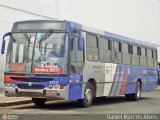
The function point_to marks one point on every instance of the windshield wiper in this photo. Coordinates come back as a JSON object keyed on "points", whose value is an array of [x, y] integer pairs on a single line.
{"points": [[27, 38], [44, 37]]}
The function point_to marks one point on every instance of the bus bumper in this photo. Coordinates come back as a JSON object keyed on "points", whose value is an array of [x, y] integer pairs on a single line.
{"points": [[36, 93]]}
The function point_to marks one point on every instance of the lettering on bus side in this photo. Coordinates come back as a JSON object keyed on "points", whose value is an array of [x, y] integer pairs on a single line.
{"points": [[97, 69]]}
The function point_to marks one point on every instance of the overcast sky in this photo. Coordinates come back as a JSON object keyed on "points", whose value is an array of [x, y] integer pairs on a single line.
{"points": [[138, 19]]}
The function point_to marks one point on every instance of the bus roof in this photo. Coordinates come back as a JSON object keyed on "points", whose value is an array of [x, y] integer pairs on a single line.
{"points": [[112, 35], [96, 31]]}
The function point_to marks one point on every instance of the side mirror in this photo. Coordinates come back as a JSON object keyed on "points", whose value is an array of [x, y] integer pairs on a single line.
{"points": [[4, 42], [80, 43]]}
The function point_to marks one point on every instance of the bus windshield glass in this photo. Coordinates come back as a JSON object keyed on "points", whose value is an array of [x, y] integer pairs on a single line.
{"points": [[37, 53]]}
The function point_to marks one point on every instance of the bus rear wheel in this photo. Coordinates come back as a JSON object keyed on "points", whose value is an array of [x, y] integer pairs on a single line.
{"points": [[39, 101], [135, 96], [88, 96]]}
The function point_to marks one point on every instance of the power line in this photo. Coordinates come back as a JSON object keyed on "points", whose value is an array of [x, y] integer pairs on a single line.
{"points": [[26, 11]]}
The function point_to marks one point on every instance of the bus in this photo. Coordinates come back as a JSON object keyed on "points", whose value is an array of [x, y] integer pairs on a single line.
{"points": [[48, 59]]}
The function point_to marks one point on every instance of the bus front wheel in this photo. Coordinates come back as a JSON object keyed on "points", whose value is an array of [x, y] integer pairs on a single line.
{"points": [[39, 101], [135, 96], [88, 96]]}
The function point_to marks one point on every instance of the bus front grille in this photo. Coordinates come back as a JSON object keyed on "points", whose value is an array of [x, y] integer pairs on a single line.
{"points": [[32, 79], [26, 86]]}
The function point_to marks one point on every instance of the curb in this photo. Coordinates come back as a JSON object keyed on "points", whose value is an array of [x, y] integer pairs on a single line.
{"points": [[22, 102], [1, 91], [157, 89], [14, 103]]}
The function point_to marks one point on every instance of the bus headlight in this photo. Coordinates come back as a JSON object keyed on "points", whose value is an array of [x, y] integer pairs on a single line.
{"points": [[55, 86], [50, 86], [10, 85], [13, 85]]}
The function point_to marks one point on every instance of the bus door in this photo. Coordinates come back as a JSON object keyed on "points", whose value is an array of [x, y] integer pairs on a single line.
{"points": [[76, 67], [108, 78]]}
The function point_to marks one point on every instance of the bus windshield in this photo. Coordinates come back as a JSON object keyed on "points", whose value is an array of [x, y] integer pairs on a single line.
{"points": [[37, 53]]}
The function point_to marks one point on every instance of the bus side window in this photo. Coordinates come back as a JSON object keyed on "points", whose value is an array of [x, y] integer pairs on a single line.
{"points": [[143, 58], [135, 56], [149, 57], [117, 49], [126, 53], [76, 56], [155, 58], [92, 48], [104, 50]]}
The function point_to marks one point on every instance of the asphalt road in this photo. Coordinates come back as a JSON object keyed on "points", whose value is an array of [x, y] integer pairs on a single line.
{"points": [[149, 103]]}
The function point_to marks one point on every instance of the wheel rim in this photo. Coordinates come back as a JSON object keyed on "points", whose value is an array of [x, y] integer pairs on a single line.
{"points": [[88, 95]]}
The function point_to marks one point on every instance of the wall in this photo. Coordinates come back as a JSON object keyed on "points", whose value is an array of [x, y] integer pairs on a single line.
{"points": [[8, 17], [137, 19]]}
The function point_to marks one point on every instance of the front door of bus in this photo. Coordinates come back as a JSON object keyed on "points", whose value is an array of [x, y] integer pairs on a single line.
{"points": [[76, 67]]}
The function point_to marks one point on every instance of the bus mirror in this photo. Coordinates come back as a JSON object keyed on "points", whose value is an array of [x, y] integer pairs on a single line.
{"points": [[80, 43], [4, 42]]}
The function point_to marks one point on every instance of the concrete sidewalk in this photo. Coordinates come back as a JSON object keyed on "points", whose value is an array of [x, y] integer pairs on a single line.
{"points": [[12, 101], [158, 88]]}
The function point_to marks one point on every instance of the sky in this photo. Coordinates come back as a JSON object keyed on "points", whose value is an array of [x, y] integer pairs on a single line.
{"points": [[137, 19]]}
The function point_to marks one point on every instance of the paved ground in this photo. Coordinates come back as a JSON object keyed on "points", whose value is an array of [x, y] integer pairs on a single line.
{"points": [[150, 103], [9, 101]]}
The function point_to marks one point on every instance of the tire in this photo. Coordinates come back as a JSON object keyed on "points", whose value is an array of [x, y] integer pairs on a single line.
{"points": [[88, 96], [128, 96], [137, 95], [39, 101]]}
